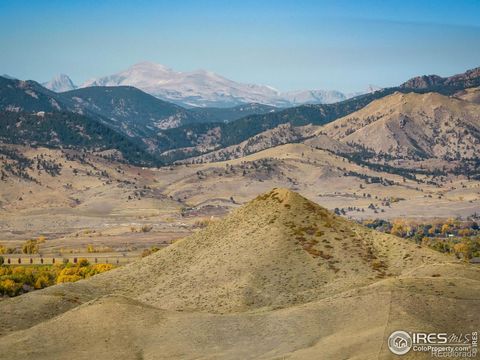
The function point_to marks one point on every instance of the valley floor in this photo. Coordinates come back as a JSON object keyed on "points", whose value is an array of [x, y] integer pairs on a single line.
{"points": [[122, 209]]}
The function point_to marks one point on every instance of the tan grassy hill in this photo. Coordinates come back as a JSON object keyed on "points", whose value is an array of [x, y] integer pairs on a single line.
{"points": [[279, 277], [472, 95], [282, 134], [408, 125]]}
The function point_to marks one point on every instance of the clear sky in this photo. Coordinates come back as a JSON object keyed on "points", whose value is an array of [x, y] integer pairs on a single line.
{"points": [[290, 45]]}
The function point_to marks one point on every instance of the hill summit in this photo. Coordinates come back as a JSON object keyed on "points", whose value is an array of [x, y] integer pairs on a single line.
{"points": [[278, 250], [280, 276]]}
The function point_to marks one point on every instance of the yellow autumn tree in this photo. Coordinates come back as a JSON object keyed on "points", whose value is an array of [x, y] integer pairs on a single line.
{"points": [[463, 249], [42, 282], [398, 228], [465, 232], [30, 247], [69, 274], [9, 287], [446, 229]]}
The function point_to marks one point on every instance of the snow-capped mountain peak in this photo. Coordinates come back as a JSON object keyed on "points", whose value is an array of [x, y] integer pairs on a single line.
{"points": [[194, 88], [60, 83], [204, 88]]}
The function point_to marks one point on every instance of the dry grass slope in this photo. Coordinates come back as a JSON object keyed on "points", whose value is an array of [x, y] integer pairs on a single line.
{"points": [[278, 277], [404, 125]]}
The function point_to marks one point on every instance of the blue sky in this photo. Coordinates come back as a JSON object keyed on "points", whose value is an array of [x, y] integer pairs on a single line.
{"points": [[290, 45]]}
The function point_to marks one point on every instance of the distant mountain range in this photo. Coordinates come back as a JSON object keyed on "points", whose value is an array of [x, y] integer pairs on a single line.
{"points": [[213, 137], [170, 132], [401, 133], [162, 127], [196, 139], [202, 88]]}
